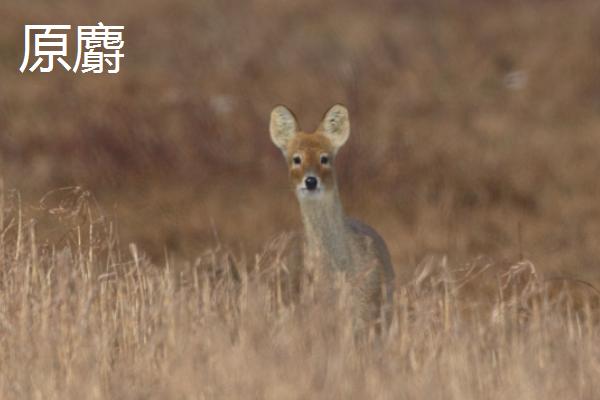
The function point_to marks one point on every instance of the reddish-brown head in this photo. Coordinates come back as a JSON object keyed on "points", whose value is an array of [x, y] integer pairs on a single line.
{"points": [[310, 156]]}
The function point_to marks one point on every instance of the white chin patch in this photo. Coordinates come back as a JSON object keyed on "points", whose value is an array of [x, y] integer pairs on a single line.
{"points": [[304, 192]]}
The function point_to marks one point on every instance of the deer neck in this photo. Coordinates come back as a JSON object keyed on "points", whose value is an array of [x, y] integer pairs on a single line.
{"points": [[327, 239]]}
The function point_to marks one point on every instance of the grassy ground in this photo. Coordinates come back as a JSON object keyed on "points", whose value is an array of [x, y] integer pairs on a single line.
{"points": [[86, 321], [475, 129], [470, 120]]}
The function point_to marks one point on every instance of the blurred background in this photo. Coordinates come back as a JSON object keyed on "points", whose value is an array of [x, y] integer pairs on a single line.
{"points": [[475, 124]]}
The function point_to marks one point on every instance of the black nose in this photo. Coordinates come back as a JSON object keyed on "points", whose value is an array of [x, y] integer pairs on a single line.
{"points": [[311, 183]]}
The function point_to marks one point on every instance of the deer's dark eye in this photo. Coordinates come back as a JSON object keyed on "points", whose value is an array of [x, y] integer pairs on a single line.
{"points": [[297, 160], [324, 160]]}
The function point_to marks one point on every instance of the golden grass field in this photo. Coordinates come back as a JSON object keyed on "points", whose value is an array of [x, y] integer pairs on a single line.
{"points": [[86, 320], [137, 210]]}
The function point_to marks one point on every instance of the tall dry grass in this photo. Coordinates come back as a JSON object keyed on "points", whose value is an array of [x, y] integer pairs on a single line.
{"points": [[476, 126], [469, 118], [80, 319]]}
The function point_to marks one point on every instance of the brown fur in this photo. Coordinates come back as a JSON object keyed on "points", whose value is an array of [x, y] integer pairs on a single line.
{"points": [[310, 146]]}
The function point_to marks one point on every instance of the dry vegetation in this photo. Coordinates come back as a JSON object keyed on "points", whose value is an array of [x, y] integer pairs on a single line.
{"points": [[85, 321], [476, 129], [469, 118]]}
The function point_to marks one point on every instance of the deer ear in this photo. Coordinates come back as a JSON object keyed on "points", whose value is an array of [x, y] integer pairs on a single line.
{"points": [[283, 127], [336, 125]]}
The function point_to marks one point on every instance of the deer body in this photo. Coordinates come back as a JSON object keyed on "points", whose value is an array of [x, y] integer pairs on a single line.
{"points": [[332, 243]]}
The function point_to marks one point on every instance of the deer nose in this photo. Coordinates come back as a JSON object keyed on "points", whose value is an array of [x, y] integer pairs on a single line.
{"points": [[311, 183]]}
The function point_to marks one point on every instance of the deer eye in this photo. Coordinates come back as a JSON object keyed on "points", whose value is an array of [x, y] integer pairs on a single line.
{"points": [[297, 160], [324, 160]]}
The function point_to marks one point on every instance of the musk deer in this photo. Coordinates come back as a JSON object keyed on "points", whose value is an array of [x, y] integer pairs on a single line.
{"points": [[333, 243]]}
